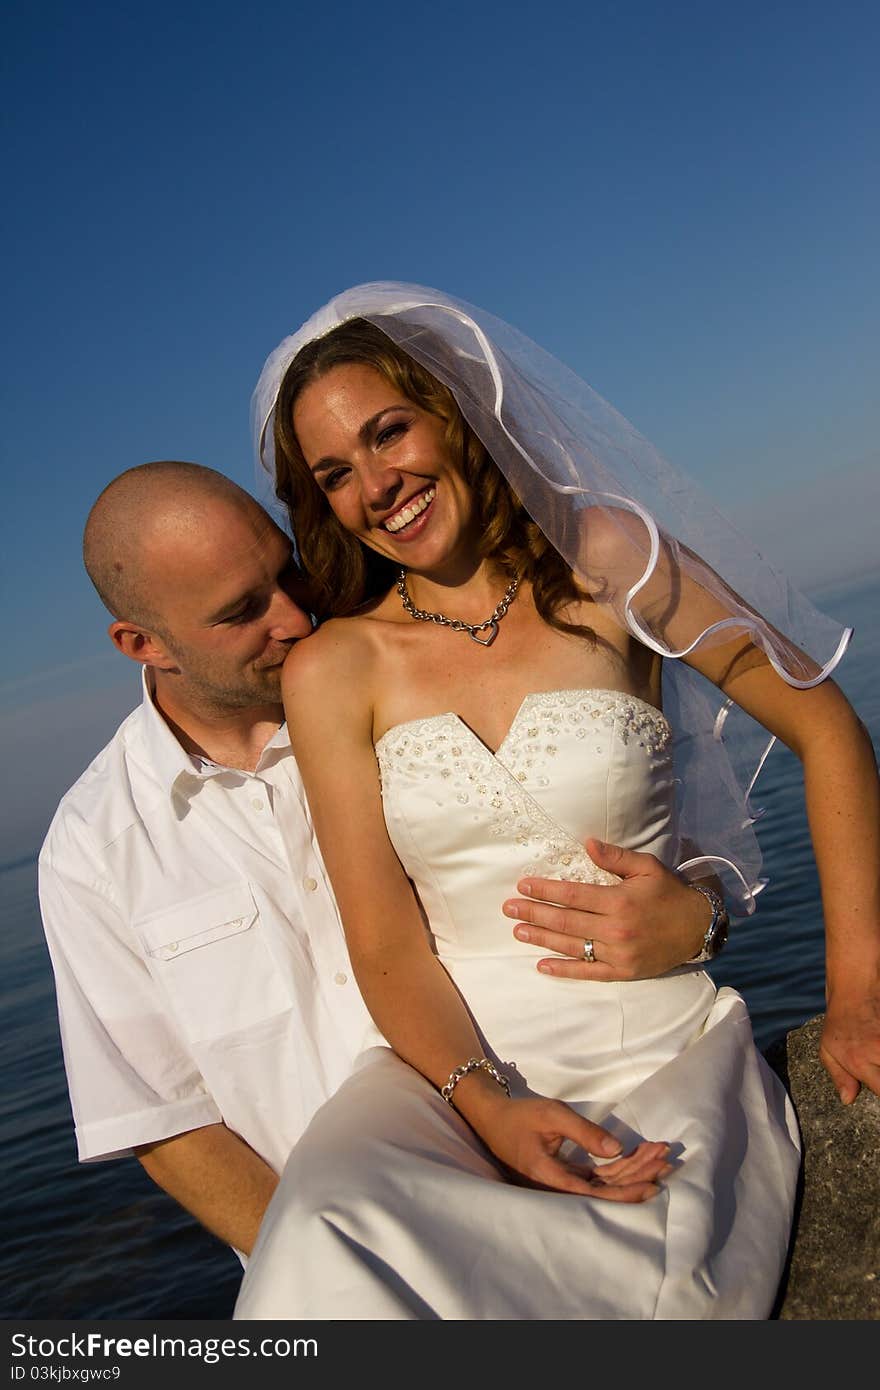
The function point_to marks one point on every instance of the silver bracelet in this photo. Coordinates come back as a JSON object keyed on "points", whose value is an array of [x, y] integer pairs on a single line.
{"points": [[473, 1064], [715, 938]]}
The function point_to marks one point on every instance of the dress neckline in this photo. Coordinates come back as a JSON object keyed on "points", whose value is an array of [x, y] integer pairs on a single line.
{"points": [[580, 691]]}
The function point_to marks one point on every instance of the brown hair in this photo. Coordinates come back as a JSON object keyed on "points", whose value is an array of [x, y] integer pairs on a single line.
{"points": [[344, 573]]}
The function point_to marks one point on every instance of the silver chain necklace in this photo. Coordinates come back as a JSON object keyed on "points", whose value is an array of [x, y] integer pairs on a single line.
{"points": [[458, 624]]}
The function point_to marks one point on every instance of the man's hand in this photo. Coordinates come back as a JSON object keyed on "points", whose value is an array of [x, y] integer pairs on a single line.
{"points": [[641, 927], [850, 1045]]}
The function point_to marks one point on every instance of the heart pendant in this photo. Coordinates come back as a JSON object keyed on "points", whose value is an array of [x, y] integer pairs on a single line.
{"points": [[489, 638]]}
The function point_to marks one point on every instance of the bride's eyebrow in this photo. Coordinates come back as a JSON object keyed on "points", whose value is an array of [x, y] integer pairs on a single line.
{"points": [[364, 434]]}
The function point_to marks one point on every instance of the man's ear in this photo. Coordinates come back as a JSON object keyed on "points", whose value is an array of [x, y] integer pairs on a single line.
{"points": [[140, 644]]}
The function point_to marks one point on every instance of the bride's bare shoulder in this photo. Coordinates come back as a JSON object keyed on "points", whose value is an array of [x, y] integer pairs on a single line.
{"points": [[610, 538], [339, 655]]}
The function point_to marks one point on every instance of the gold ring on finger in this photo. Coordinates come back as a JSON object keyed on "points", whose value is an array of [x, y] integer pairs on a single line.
{"points": [[589, 952]]}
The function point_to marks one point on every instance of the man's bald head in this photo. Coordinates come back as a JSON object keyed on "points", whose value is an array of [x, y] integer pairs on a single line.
{"points": [[139, 510], [202, 584]]}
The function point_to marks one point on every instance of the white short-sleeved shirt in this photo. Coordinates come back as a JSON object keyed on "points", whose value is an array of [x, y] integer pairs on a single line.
{"points": [[200, 964]]}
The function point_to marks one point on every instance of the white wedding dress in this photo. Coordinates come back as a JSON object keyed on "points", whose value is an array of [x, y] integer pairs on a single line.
{"points": [[391, 1208]]}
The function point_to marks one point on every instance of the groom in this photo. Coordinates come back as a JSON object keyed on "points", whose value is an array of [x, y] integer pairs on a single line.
{"points": [[206, 1000]]}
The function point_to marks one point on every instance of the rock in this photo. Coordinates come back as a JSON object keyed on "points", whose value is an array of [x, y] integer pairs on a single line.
{"points": [[834, 1260]]}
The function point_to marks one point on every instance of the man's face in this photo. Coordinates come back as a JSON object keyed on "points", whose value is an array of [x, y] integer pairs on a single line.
{"points": [[231, 606]]}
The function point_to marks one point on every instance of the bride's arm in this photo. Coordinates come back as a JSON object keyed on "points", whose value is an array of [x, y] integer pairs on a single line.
{"points": [[408, 992], [843, 807], [681, 599]]}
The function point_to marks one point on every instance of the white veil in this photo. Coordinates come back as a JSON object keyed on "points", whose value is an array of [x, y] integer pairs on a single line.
{"points": [[635, 528]]}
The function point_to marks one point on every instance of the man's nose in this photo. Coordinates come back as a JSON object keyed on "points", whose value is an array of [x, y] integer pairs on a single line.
{"points": [[288, 620]]}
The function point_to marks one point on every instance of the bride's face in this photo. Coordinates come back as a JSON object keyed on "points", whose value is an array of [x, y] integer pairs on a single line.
{"points": [[385, 467]]}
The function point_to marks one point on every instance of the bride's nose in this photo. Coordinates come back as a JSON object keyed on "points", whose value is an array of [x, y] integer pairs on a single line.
{"points": [[380, 484]]}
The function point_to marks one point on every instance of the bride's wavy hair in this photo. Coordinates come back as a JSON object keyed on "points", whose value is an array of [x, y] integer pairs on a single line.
{"points": [[344, 573]]}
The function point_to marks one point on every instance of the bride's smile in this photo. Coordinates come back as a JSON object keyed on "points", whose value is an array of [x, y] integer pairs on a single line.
{"points": [[387, 469], [402, 521]]}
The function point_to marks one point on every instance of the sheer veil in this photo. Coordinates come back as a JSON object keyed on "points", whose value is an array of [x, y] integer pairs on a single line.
{"points": [[644, 537]]}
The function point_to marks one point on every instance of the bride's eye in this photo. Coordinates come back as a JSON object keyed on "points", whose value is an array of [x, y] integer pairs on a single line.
{"points": [[332, 479], [390, 432]]}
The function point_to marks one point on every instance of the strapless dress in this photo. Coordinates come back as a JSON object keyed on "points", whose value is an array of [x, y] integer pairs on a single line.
{"points": [[391, 1208]]}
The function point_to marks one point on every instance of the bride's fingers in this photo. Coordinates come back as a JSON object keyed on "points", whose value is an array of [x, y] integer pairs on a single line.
{"points": [[648, 1166], [649, 1170], [557, 1176], [631, 1192], [589, 1136], [633, 1178], [645, 1158]]}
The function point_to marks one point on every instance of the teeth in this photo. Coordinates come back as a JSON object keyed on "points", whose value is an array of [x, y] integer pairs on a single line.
{"points": [[410, 511]]}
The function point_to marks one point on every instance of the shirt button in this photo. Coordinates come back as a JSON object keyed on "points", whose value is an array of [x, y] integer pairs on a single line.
{"points": [[340, 978], [310, 884], [257, 803]]}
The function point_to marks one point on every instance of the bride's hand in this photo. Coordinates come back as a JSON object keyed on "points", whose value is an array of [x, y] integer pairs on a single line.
{"points": [[527, 1135], [850, 1044]]}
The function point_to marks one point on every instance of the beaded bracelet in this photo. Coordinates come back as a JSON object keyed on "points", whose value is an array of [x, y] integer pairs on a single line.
{"points": [[473, 1064]]}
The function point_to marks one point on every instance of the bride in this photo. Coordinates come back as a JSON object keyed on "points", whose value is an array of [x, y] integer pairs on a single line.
{"points": [[484, 537]]}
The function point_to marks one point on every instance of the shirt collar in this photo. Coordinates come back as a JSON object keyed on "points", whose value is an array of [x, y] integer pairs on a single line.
{"points": [[170, 761]]}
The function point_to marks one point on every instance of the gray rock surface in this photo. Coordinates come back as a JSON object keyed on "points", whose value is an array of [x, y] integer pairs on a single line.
{"points": [[834, 1260]]}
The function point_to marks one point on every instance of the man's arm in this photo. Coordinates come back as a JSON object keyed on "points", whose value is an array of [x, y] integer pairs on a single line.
{"points": [[643, 926], [217, 1178], [130, 1073]]}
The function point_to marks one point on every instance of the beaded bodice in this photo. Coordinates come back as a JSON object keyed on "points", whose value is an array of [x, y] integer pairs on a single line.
{"points": [[467, 823]]}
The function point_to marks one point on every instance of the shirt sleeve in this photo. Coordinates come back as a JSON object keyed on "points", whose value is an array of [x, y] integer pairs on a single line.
{"points": [[131, 1077]]}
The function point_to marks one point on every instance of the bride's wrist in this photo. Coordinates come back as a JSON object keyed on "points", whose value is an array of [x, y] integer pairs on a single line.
{"points": [[476, 1089], [483, 1110]]}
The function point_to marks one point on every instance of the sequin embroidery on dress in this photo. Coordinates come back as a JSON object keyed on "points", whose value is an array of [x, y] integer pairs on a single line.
{"points": [[496, 786]]}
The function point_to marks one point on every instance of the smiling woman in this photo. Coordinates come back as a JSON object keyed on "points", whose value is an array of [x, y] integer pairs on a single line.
{"points": [[382, 436], [440, 769], [387, 459]]}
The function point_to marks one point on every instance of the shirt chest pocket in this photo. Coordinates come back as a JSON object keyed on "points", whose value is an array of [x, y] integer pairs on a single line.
{"points": [[211, 956]]}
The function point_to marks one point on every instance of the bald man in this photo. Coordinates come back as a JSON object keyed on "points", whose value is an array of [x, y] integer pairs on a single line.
{"points": [[205, 996]]}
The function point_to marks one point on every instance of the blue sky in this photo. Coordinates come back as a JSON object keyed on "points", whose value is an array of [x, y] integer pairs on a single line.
{"points": [[680, 200]]}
